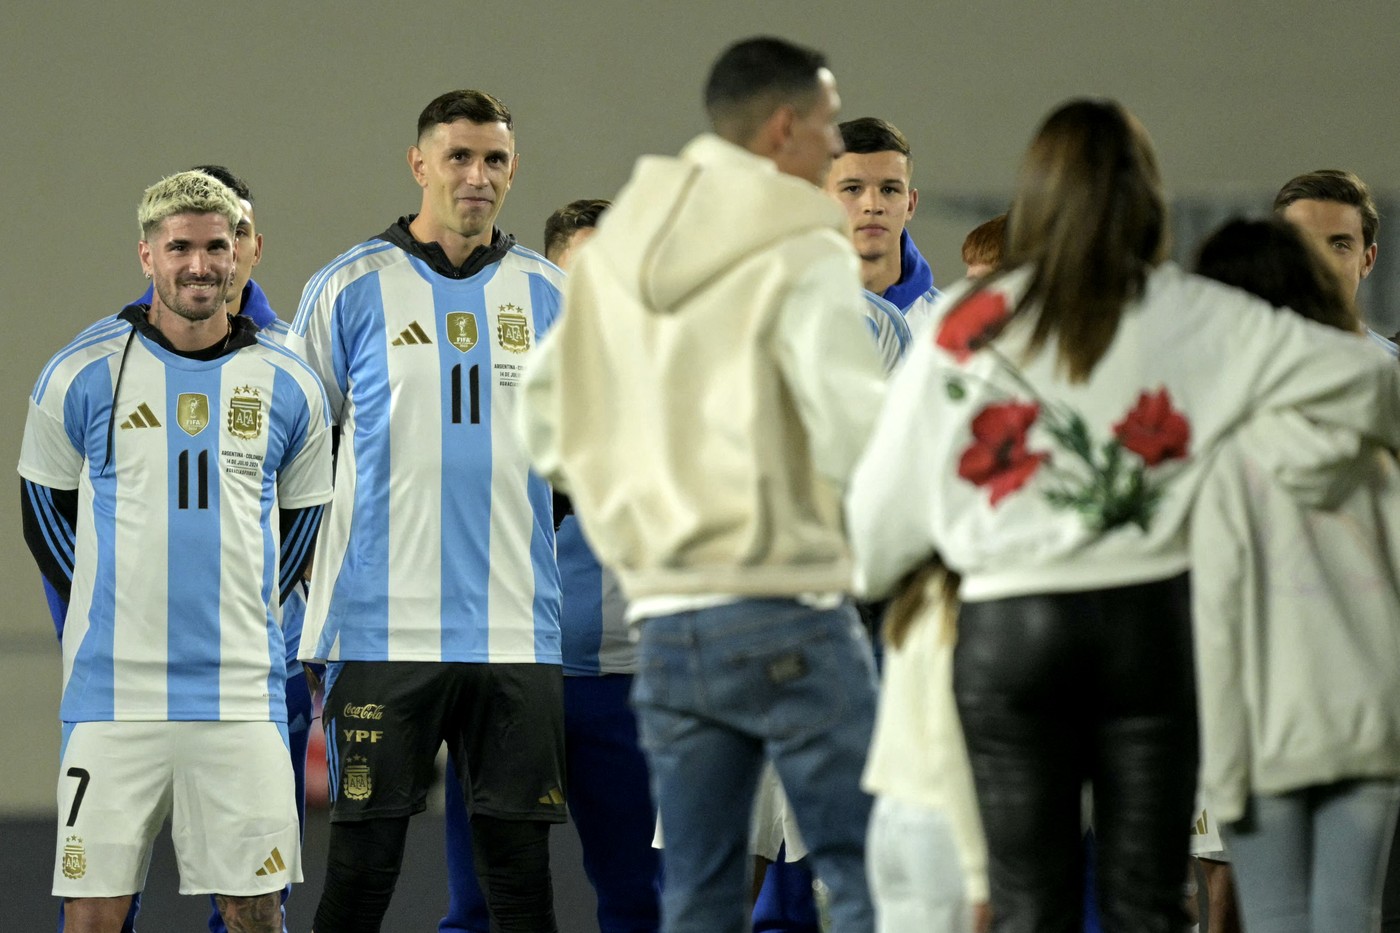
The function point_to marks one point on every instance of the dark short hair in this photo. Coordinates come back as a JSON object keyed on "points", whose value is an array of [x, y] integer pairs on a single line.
{"points": [[236, 184], [569, 219], [984, 245], [1270, 258], [476, 106], [759, 74], [871, 134], [1333, 184]]}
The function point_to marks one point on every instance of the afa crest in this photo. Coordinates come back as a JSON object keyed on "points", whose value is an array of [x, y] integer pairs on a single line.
{"points": [[74, 858], [461, 330], [245, 413], [356, 783], [192, 412], [512, 330]]}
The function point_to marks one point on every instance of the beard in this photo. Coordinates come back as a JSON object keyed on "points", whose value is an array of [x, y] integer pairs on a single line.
{"points": [[169, 292]]}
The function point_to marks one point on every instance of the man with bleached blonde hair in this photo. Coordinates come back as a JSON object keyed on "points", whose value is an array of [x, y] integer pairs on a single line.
{"points": [[158, 447]]}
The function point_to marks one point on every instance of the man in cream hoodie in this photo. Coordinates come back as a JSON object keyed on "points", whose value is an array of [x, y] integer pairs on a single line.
{"points": [[703, 400]]}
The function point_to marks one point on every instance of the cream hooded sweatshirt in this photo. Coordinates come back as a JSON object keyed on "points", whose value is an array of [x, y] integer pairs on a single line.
{"points": [[1295, 588], [711, 381]]}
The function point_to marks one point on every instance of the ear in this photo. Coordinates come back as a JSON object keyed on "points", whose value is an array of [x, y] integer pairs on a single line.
{"points": [[514, 164], [1369, 262], [913, 203], [257, 249], [143, 252], [415, 165], [776, 132]]}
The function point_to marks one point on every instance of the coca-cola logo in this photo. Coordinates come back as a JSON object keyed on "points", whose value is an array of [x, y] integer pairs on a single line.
{"points": [[367, 711]]}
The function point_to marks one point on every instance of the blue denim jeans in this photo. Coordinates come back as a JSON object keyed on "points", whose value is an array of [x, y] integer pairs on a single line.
{"points": [[718, 690], [1314, 859]]}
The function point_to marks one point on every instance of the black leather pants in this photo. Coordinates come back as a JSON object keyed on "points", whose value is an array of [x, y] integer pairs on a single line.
{"points": [[1055, 690]]}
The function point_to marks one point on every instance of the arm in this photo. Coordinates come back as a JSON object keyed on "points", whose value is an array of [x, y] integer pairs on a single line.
{"points": [[50, 464], [1266, 359], [825, 353], [298, 531], [50, 516], [537, 414], [1219, 567], [889, 506], [314, 338]]}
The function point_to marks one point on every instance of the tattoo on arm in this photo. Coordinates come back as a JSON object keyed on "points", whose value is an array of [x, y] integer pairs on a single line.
{"points": [[261, 913]]}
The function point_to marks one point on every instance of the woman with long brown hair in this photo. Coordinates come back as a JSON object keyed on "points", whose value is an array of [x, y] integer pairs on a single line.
{"points": [[1046, 441]]}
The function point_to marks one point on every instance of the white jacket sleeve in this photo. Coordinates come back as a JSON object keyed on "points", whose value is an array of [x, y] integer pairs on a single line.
{"points": [[889, 506], [1220, 605], [537, 414], [827, 358], [1277, 359]]}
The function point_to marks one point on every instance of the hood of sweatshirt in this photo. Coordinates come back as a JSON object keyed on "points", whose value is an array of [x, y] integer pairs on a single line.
{"points": [[915, 276], [682, 222]]}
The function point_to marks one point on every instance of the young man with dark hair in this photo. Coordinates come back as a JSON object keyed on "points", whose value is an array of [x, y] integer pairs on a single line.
{"points": [[702, 403], [1337, 213], [569, 227], [436, 592], [170, 434], [873, 181]]}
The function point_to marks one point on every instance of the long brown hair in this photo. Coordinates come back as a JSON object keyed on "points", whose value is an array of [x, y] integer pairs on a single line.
{"points": [[1090, 221], [1270, 258]]}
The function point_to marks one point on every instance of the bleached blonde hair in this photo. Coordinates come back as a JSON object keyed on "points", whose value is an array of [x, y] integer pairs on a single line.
{"points": [[187, 193]]}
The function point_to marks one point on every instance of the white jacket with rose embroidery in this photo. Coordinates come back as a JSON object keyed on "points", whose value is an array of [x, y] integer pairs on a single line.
{"points": [[1027, 483]]}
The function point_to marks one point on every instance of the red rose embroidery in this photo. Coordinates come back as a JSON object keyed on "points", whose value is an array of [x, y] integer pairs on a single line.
{"points": [[1154, 430], [998, 458], [972, 324]]}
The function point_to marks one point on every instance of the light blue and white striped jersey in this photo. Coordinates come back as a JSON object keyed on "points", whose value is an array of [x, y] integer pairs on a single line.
{"points": [[919, 314], [593, 619], [180, 477], [439, 545], [889, 328]]}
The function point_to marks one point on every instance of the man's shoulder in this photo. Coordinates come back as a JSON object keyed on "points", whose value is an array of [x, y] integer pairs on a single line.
{"points": [[356, 262], [97, 342], [272, 351], [525, 260]]}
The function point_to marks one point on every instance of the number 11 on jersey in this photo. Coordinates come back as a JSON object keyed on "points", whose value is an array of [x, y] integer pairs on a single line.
{"points": [[473, 392]]}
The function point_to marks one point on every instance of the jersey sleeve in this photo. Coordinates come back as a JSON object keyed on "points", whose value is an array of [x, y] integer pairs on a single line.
{"points": [[313, 337], [50, 517], [304, 478], [49, 454]]}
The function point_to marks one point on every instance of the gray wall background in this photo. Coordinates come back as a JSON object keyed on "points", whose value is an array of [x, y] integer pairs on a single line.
{"points": [[315, 105]]}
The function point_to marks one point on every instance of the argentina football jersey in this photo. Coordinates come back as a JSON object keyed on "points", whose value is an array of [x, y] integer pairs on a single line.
{"points": [[440, 543], [597, 638], [181, 467], [888, 327]]}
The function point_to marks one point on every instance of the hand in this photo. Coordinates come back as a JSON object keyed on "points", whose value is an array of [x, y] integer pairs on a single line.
{"points": [[981, 917]]}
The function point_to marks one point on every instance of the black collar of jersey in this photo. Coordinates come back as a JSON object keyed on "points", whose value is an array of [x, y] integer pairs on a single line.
{"points": [[431, 253], [242, 333]]}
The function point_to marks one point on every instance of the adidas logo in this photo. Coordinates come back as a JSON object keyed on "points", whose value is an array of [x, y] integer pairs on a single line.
{"points": [[555, 797], [412, 336], [142, 417], [272, 865]]}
